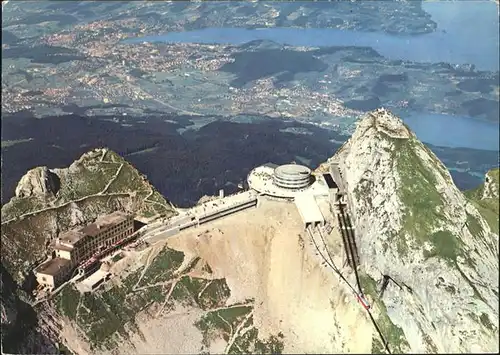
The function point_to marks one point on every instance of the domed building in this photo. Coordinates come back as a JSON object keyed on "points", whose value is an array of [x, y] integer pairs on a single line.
{"points": [[283, 181], [292, 176]]}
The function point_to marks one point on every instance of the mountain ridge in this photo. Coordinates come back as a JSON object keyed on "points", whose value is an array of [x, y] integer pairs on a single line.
{"points": [[439, 247], [415, 226], [99, 182]]}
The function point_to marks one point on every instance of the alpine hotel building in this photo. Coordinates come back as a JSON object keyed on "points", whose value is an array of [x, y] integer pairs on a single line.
{"points": [[78, 245]]}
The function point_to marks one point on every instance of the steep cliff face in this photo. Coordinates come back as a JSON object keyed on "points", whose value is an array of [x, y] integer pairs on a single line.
{"points": [[39, 181], [21, 331], [439, 246]]}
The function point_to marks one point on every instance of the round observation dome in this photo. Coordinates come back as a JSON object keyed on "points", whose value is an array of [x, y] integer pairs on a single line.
{"points": [[292, 176]]}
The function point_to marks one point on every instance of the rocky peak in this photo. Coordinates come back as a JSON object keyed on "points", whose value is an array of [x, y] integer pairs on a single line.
{"points": [[491, 184], [415, 226], [383, 121], [38, 182], [95, 155]]}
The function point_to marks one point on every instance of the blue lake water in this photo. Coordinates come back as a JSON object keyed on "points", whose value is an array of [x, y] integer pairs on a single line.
{"points": [[467, 33], [454, 131]]}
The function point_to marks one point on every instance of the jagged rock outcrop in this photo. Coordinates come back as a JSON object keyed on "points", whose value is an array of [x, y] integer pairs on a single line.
{"points": [[39, 181], [415, 226], [491, 185]]}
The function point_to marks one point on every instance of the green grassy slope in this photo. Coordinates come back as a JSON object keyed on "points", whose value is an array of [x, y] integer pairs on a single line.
{"points": [[488, 207]]}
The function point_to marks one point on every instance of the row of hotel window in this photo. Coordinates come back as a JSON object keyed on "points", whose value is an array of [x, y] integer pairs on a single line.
{"points": [[107, 239]]}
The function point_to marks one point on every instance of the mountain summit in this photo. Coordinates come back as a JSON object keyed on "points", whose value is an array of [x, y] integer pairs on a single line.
{"points": [[416, 229], [254, 281]]}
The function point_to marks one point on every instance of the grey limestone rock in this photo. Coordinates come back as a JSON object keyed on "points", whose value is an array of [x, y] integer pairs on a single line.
{"points": [[39, 181], [414, 225]]}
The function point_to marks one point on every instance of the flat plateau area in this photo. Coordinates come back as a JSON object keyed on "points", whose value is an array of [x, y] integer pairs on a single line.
{"points": [[264, 253]]}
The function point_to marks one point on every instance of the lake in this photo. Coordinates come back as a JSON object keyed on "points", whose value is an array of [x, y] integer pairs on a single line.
{"points": [[453, 131], [459, 39]]}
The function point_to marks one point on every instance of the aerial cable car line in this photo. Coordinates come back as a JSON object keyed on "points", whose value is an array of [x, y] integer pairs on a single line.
{"points": [[352, 249], [331, 264]]}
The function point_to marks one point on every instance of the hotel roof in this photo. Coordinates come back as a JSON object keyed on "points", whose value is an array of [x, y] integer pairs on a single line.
{"points": [[71, 236], [104, 223], [52, 266], [101, 224]]}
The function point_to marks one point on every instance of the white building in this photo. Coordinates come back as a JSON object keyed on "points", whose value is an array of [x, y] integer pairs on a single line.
{"points": [[309, 210]]}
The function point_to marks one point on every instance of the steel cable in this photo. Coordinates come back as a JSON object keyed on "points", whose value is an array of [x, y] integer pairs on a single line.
{"points": [[331, 264]]}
